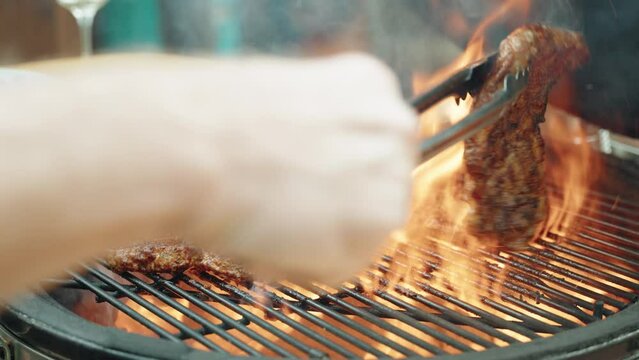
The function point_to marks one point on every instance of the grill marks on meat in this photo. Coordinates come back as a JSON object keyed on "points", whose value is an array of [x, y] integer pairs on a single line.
{"points": [[504, 178], [174, 257]]}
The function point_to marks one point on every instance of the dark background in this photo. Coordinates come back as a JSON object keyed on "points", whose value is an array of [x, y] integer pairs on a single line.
{"points": [[608, 87]]}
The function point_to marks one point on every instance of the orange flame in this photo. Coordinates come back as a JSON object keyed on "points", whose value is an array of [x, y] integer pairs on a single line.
{"points": [[435, 204], [437, 215], [513, 9], [573, 168], [436, 224]]}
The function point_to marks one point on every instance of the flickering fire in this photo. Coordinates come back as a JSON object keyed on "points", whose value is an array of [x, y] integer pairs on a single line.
{"points": [[437, 215], [573, 168], [426, 255]]}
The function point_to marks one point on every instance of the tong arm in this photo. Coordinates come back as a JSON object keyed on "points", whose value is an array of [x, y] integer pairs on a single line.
{"points": [[477, 120], [461, 83]]}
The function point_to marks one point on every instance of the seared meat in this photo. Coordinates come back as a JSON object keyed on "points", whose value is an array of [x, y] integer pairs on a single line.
{"points": [[161, 257], [503, 179], [224, 269], [174, 257]]}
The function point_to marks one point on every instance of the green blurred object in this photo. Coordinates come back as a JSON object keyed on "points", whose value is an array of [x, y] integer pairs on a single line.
{"points": [[127, 24], [227, 26]]}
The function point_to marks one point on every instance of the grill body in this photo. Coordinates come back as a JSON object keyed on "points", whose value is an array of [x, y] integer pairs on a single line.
{"points": [[52, 332], [550, 303], [38, 326]]}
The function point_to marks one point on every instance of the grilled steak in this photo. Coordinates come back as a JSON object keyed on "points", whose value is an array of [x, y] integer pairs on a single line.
{"points": [[503, 179], [174, 257]]}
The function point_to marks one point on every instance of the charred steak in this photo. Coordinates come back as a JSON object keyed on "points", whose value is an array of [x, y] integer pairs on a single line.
{"points": [[503, 177]]}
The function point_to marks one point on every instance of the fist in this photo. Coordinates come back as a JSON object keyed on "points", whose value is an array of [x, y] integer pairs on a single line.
{"points": [[313, 164]]}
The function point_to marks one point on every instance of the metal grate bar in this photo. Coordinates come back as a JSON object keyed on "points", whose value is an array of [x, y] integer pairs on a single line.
{"points": [[535, 295], [231, 323], [568, 278], [530, 322], [460, 331], [397, 331], [610, 247], [594, 192], [346, 321], [272, 313], [589, 219], [519, 301], [619, 219], [558, 304], [300, 311], [531, 281], [431, 318], [576, 254], [600, 274], [124, 308], [328, 327], [616, 214], [534, 281], [602, 208], [185, 330], [542, 293], [613, 198], [604, 198], [525, 318], [605, 254], [580, 278], [448, 314], [618, 205], [611, 237], [487, 323], [246, 314]]}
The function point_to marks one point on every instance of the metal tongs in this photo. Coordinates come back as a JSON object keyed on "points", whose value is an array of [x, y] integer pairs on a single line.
{"points": [[467, 81]]}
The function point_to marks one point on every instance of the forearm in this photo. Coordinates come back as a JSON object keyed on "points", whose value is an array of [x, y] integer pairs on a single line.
{"points": [[85, 168]]}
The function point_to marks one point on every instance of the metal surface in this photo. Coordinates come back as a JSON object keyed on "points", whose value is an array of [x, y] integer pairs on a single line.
{"points": [[572, 296], [12, 348], [462, 83], [556, 289], [477, 120]]}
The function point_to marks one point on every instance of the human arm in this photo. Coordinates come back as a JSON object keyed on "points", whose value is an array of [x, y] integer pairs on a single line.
{"points": [[296, 168]]}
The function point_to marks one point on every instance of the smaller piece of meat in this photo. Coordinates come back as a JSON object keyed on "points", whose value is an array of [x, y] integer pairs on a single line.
{"points": [[224, 268], [173, 256], [160, 257]]}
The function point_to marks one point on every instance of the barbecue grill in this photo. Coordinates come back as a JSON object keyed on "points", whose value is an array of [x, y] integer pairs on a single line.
{"points": [[571, 296]]}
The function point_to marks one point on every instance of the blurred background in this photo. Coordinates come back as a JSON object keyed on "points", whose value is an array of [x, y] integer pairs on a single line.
{"points": [[412, 36]]}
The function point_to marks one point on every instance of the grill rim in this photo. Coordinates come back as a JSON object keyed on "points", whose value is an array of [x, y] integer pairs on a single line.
{"points": [[39, 322]]}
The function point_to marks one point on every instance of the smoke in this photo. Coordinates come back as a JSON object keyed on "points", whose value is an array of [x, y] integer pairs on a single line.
{"points": [[410, 35], [560, 13]]}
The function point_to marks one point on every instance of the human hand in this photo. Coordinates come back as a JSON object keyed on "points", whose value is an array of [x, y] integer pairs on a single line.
{"points": [[314, 166]]}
